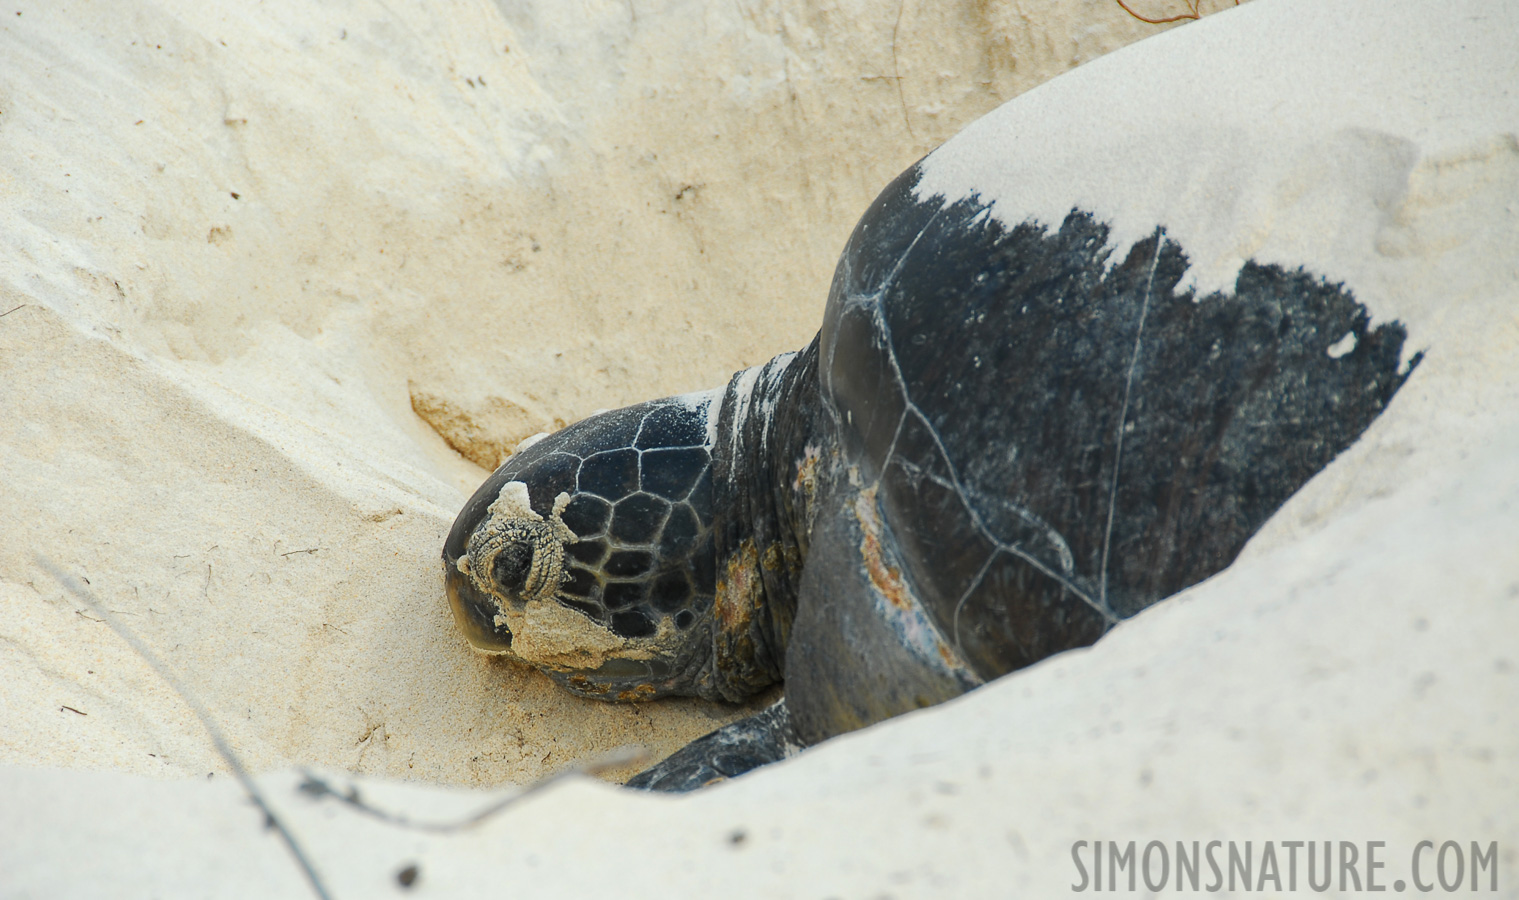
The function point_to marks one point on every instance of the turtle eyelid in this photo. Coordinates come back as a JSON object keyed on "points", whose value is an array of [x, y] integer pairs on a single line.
{"points": [[512, 565]]}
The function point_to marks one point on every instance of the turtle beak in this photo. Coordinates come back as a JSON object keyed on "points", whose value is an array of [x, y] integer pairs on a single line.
{"points": [[475, 612]]}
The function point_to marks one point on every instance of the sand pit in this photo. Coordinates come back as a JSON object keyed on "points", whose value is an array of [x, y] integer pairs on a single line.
{"points": [[278, 284]]}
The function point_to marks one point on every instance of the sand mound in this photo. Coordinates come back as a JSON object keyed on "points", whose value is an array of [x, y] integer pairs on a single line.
{"points": [[271, 275]]}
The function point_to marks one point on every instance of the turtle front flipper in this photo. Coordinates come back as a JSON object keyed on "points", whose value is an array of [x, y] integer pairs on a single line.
{"points": [[728, 752], [863, 648]]}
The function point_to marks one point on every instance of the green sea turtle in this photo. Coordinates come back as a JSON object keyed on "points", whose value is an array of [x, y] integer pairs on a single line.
{"points": [[1006, 438]]}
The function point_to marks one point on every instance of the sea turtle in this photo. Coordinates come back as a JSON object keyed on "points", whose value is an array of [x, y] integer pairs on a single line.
{"points": [[1006, 438]]}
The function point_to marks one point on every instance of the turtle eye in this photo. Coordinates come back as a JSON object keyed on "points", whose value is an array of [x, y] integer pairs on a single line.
{"points": [[512, 565]]}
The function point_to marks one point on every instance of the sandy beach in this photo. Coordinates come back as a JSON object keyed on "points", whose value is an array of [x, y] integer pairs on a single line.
{"points": [[280, 285]]}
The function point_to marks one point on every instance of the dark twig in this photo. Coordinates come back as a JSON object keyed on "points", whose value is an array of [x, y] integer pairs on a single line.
{"points": [[1191, 5], [318, 788], [896, 71], [218, 739], [11, 310]]}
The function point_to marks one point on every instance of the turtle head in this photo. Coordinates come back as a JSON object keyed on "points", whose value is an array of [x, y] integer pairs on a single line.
{"points": [[589, 554]]}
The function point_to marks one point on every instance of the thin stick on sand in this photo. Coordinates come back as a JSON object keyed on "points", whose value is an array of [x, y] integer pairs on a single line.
{"points": [[317, 787], [218, 740], [312, 785]]}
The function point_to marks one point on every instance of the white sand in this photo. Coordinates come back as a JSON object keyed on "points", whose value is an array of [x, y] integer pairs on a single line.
{"points": [[502, 221], [245, 397]]}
